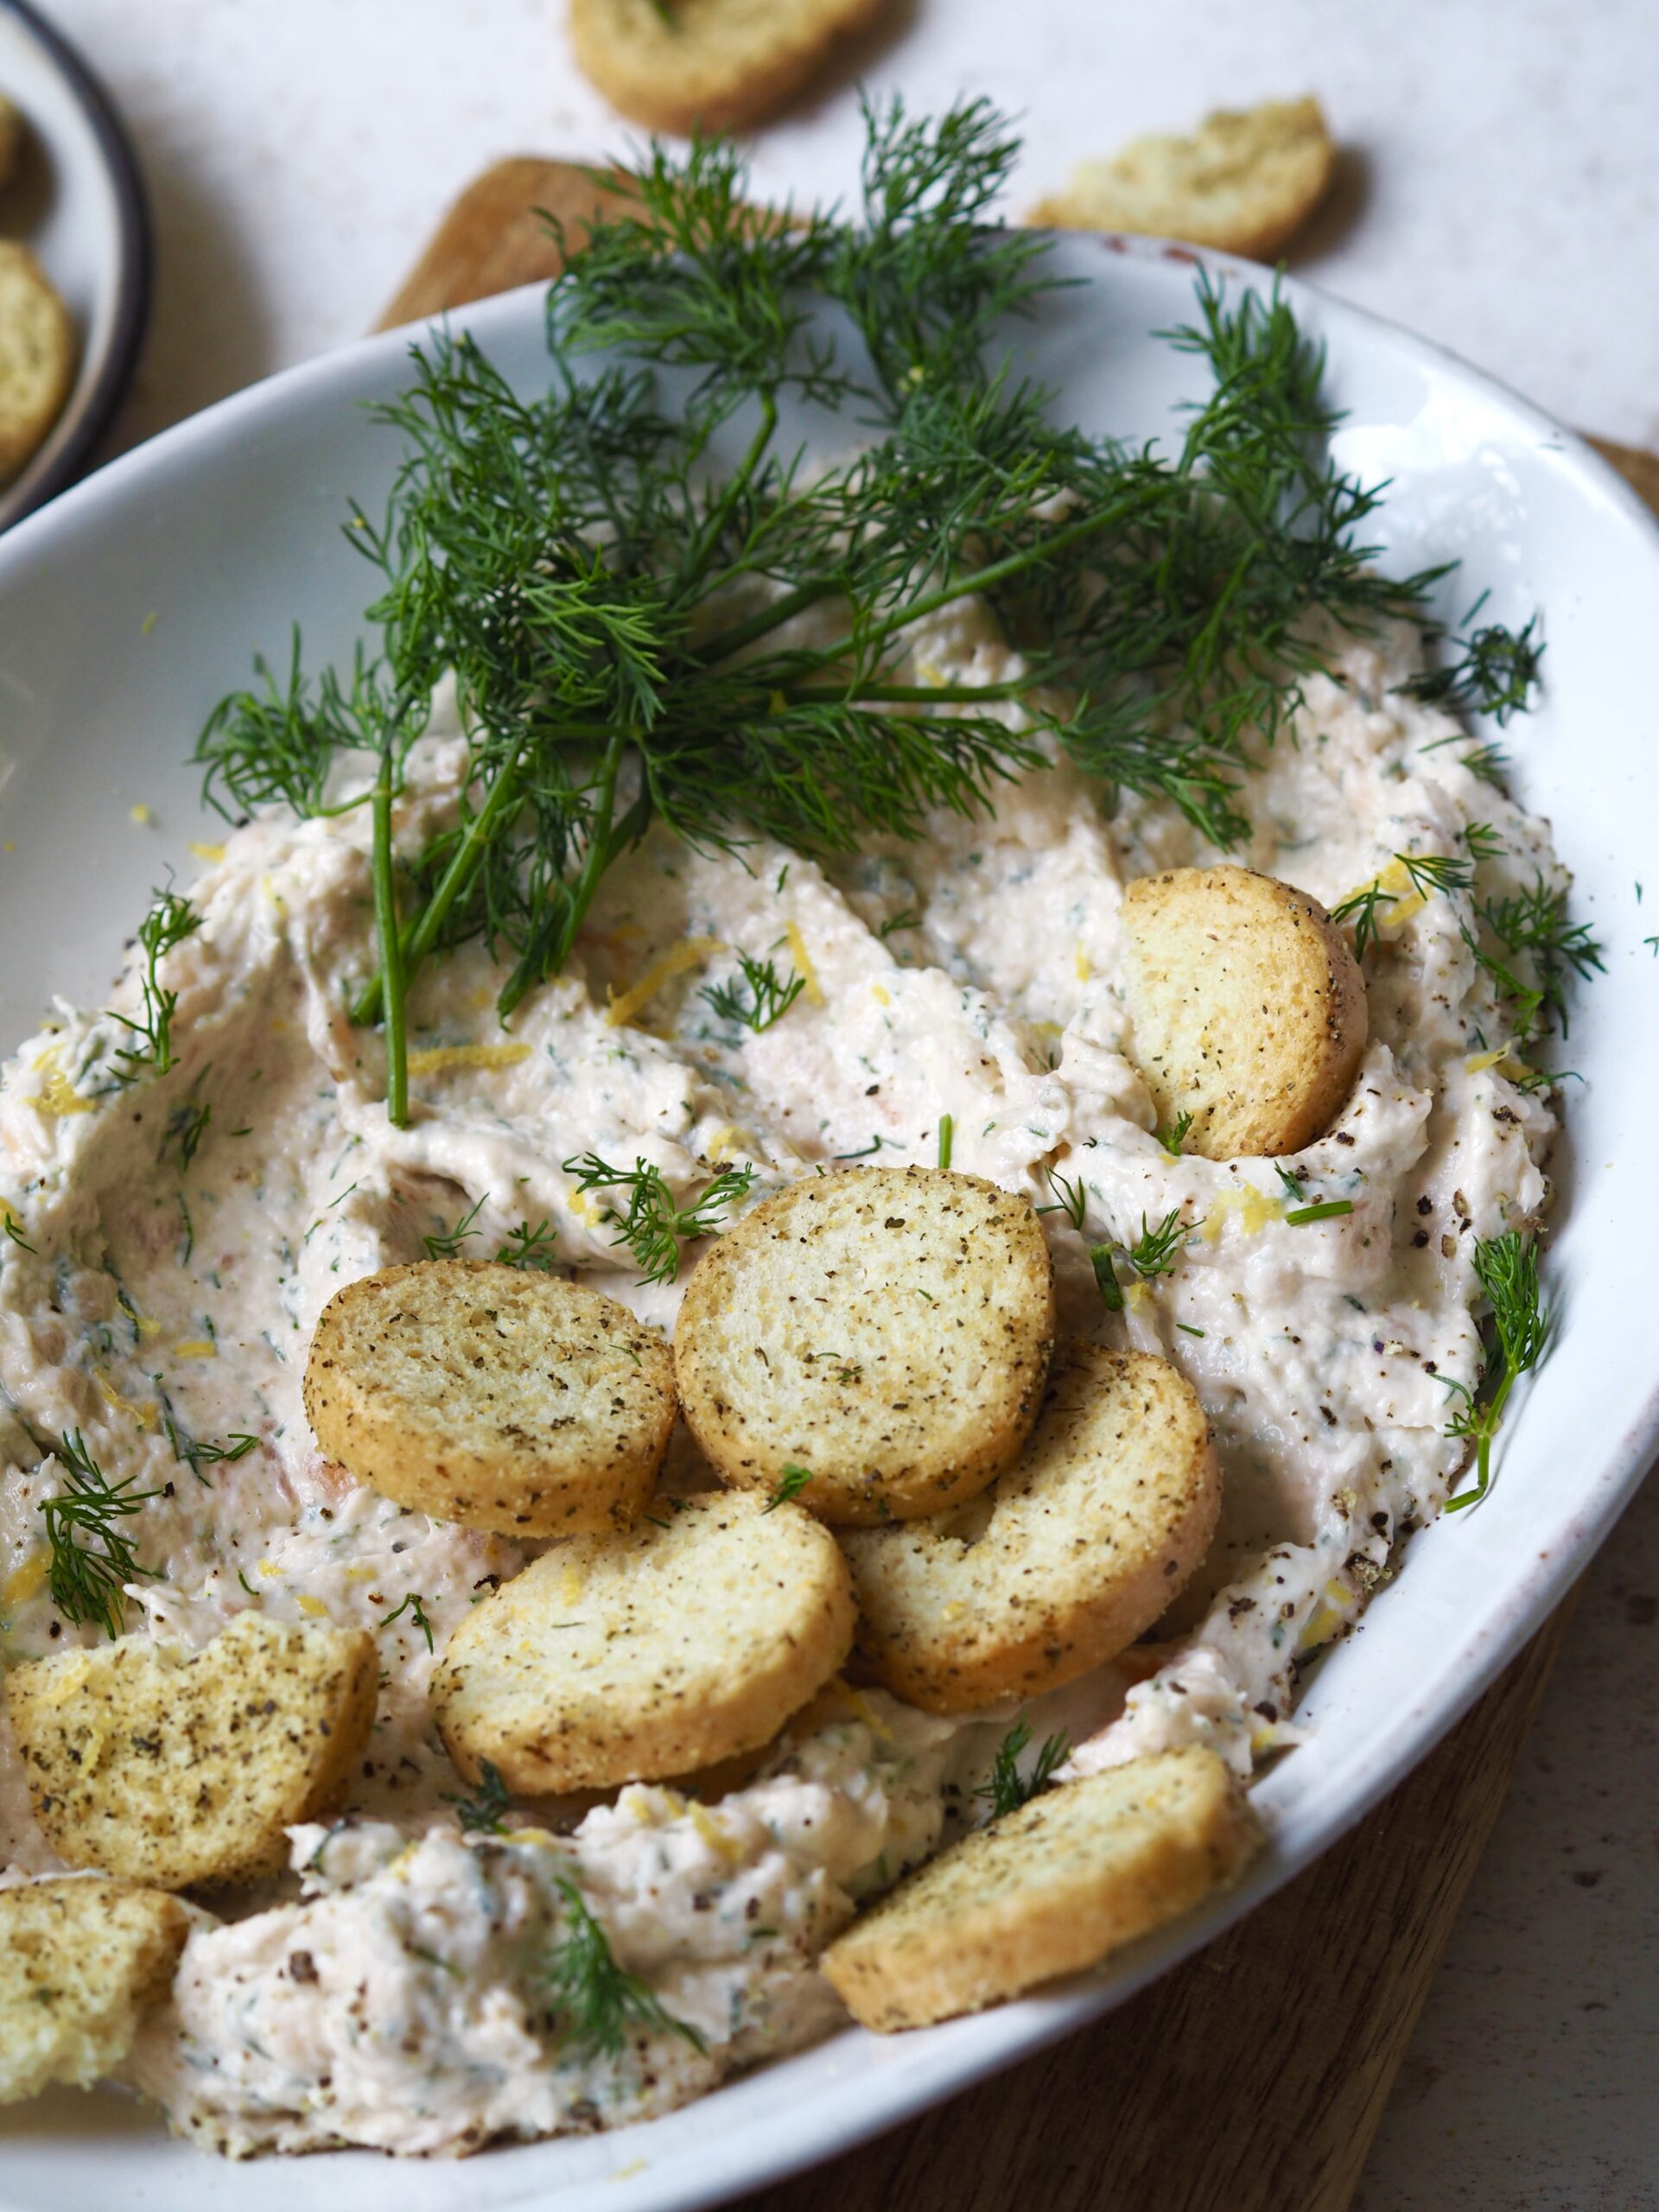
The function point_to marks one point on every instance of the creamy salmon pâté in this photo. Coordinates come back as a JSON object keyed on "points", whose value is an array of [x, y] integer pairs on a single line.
{"points": [[174, 1240]]}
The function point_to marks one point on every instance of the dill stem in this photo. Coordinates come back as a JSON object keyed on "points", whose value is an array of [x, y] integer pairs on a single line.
{"points": [[708, 537], [996, 572], [391, 949], [1000, 572], [603, 842], [902, 695], [768, 619], [418, 940]]}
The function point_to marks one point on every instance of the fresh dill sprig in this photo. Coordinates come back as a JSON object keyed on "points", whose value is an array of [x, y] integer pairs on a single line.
{"points": [[1436, 871], [446, 1243], [169, 921], [1506, 1268], [1483, 842], [484, 1815], [1426, 871], [1489, 762], [1494, 674], [190, 1453], [654, 1227], [91, 1555], [1069, 1198], [620, 615], [768, 999], [1007, 1789], [1293, 1186], [909, 919], [526, 1246], [530, 1248], [1533, 1079], [596, 2002], [1362, 908], [947, 1138], [1174, 1136], [14, 1228], [414, 1605], [789, 1484], [1533, 925], [187, 1125], [1155, 1251]]}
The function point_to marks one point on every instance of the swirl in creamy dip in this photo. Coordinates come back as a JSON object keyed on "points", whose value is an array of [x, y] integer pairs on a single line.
{"points": [[975, 973]]}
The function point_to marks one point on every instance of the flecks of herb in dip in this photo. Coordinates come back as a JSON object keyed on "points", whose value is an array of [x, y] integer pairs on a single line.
{"points": [[623, 890]]}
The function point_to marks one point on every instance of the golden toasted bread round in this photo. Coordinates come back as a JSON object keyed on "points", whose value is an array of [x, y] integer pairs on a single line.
{"points": [[1244, 183], [717, 65], [884, 1333], [638, 1657], [38, 350], [1065, 1560], [80, 1961], [180, 1768], [1050, 1889], [1248, 1009], [503, 1398]]}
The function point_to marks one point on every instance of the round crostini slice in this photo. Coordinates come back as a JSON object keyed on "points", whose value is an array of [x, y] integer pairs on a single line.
{"points": [[1047, 1891], [644, 1655], [186, 1768], [876, 1341], [1065, 1560], [80, 1962], [1248, 1007], [507, 1400], [712, 65]]}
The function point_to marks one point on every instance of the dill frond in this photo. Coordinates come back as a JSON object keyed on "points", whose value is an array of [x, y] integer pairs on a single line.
{"points": [[655, 1228], [789, 1484], [764, 996], [1506, 1268], [597, 2004], [1007, 1789], [91, 1555]]}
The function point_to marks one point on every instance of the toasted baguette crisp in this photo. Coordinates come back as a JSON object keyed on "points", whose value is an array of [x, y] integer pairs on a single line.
{"points": [[1047, 1891], [1242, 184], [180, 1769], [887, 1330], [79, 1959], [636, 1657], [1089, 1533], [717, 65], [1248, 1009], [504, 1400], [38, 351]]}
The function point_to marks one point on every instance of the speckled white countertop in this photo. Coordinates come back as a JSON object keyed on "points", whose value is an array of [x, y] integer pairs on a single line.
{"points": [[1500, 192]]}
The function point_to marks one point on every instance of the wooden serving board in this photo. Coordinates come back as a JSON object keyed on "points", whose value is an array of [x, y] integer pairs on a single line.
{"points": [[1253, 2077]]}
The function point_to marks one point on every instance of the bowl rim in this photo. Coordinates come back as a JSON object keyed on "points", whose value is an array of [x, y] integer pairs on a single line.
{"points": [[787, 2143]]}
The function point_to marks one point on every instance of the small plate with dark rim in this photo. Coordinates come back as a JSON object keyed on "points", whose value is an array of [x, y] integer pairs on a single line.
{"points": [[76, 202]]}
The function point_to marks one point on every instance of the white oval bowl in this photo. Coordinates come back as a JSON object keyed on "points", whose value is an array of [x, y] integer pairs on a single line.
{"points": [[130, 605]]}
